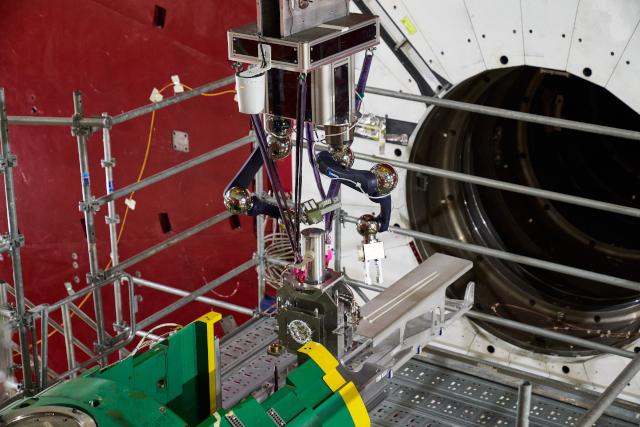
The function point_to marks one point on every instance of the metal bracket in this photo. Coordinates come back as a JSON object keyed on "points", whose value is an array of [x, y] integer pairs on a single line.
{"points": [[108, 163], [8, 162], [99, 277], [91, 205], [10, 242], [77, 128], [112, 219]]}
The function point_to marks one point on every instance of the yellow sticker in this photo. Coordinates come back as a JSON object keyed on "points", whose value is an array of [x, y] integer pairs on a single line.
{"points": [[409, 25]]}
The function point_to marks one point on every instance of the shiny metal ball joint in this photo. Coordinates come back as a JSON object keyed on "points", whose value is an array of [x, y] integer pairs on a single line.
{"points": [[238, 200], [345, 157], [279, 139], [368, 226], [387, 178]]}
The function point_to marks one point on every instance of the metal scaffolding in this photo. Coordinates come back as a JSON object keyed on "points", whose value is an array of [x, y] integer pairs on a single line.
{"points": [[34, 367]]}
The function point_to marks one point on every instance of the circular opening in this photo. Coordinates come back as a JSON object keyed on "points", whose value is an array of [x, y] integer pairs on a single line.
{"points": [[565, 369], [397, 152], [491, 349], [587, 72], [504, 60], [561, 160]]}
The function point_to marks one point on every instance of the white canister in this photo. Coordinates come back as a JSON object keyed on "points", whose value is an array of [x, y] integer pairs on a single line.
{"points": [[251, 91]]}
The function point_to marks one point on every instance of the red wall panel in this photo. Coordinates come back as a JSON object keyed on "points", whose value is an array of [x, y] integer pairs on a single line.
{"points": [[112, 52]]}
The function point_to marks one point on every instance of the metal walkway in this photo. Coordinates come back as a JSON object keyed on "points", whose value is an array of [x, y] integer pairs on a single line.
{"points": [[421, 394]]}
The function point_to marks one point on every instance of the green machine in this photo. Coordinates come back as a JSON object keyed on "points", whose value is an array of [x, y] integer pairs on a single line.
{"points": [[173, 384]]}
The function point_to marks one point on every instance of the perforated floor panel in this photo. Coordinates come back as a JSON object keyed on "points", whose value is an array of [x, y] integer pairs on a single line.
{"points": [[421, 394]]}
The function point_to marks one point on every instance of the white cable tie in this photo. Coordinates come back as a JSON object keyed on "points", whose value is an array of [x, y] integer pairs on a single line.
{"points": [[177, 86], [131, 204], [156, 96]]}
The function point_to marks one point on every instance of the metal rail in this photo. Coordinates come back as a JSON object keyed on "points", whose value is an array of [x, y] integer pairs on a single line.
{"points": [[506, 186], [172, 241], [508, 256], [610, 394], [512, 324], [510, 114], [141, 111], [197, 293], [174, 170], [179, 292]]}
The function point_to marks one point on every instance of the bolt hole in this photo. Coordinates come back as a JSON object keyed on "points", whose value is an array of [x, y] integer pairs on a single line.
{"points": [[95, 403], [159, 16], [636, 349], [441, 52], [468, 40], [450, 197], [613, 53], [484, 36], [597, 318], [566, 369], [579, 40], [628, 62], [34, 109], [491, 349], [530, 31], [504, 60], [397, 152], [514, 31], [587, 72], [165, 222], [564, 36]]}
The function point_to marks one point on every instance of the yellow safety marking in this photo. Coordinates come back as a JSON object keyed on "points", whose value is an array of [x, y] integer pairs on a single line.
{"points": [[210, 320], [411, 29], [355, 405], [325, 360]]}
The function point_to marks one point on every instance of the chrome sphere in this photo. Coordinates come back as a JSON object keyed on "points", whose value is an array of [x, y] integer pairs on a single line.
{"points": [[387, 178], [279, 146], [238, 200], [367, 226], [344, 157]]}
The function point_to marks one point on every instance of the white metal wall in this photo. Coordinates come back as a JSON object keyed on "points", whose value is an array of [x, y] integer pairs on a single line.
{"points": [[459, 39]]}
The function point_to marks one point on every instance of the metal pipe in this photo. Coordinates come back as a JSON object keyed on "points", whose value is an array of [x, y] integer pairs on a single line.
{"points": [[314, 255], [174, 170], [108, 163], [34, 350], [82, 292], [508, 256], [337, 244], [501, 185], [610, 394], [197, 293], [524, 404], [260, 224], [44, 348], [141, 111], [510, 114], [141, 256], [94, 122], [545, 333], [68, 337], [179, 292], [89, 218], [14, 235], [145, 334]]}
